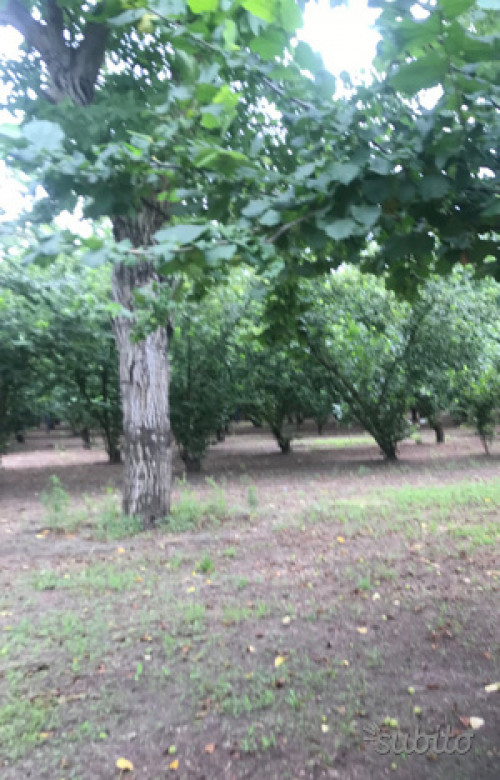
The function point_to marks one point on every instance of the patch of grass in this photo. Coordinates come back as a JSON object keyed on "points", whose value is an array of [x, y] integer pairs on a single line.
{"points": [[193, 617], [56, 501], [449, 497], [25, 723], [97, 577], [478, 535], [338, 442], [235, 614], [229, 552], [110, 522], [190, 513]]}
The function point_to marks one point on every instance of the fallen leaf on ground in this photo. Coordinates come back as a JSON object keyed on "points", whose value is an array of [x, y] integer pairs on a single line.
{"points": [[174, 765], [121, 550], [476, 723], [492, 687], [210, 748], [280, 659], [340, 540], [362, 630], [124, 765], [325, 728]]}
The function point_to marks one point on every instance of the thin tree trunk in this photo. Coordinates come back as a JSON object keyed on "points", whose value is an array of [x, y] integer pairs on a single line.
{"points": [[144, 387]]}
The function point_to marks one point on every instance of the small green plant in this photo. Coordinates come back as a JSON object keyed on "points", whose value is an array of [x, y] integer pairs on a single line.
{"points": [[252, 499], [206, 565], [138, 671], [242, 583], [230, 552], [56, 502], [175, 561], [364, 583]]}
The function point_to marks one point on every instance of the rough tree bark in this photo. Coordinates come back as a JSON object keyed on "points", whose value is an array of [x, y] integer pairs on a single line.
{"points": [[144, 385], [73, 70]]}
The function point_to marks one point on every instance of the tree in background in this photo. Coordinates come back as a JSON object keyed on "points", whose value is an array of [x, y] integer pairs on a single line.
{"points": [[66, 346]]}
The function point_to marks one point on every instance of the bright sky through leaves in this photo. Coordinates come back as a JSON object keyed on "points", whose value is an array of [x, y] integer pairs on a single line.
{"points": [[342, 35]]}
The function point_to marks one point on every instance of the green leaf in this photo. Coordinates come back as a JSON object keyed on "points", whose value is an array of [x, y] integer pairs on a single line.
{"points": [[180, 234], [127, 17], [268, 45], [326, 84], [9, 130], [340, 229], [366, 215], [224, 253], [217, 159], [304, 171], [43, 135], [420, 74], [227, 98], [342, 172], [255, 208], [168, 7], [203, 6], [434, 186], [270, 218], [230, 34], [264, 9], [453, 8], [290, 15], [306, 58]]}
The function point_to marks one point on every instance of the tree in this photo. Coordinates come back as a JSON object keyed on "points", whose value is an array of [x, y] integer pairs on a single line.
{"points": [[123, 72], [383, 354], [67, 346], [17, 404], [203, 396]]}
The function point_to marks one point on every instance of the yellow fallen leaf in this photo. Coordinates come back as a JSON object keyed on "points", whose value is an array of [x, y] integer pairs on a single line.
{"points": [[476, 723], [191, 590], [121, 550], [492, 687], [345, 662], [362, 630], [325, 728], [45, 734], [280, 659], [124, 765], [208, 582], [174, 765], [138, 579], [340, 540], [286, 620]]}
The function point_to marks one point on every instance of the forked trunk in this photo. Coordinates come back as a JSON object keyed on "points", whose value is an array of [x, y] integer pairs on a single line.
{"points": [[144, 387]]}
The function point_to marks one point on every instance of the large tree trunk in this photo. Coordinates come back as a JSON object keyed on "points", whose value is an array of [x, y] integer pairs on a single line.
{"points": [[144, 386]]}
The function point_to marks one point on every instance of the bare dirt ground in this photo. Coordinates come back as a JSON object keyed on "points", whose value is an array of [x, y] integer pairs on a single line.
{"points": [[304, 616]]}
